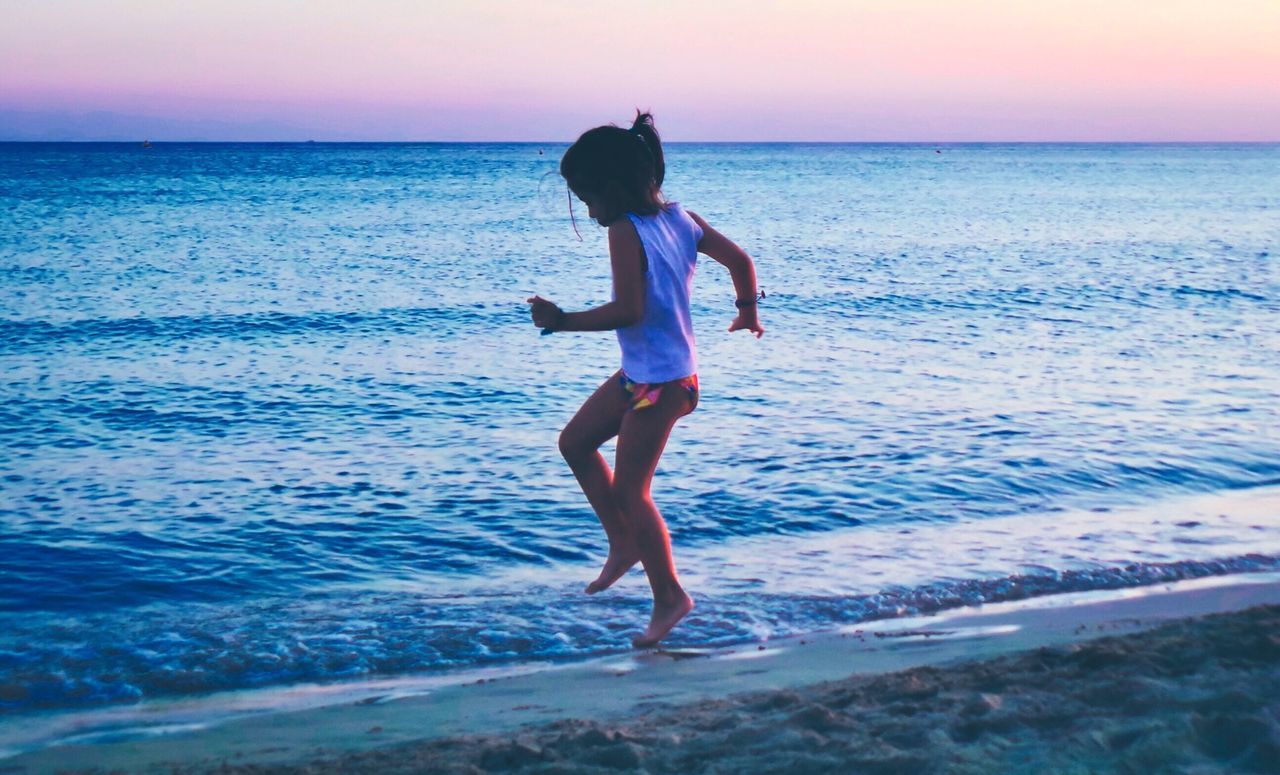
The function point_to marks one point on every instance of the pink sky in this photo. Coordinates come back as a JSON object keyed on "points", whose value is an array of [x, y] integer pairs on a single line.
{"points": [[927, 70]]}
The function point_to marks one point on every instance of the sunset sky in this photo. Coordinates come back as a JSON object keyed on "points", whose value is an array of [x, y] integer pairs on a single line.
{"points": [[893, 70]]}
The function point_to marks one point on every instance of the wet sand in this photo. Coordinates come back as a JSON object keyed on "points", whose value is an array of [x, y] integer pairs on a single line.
{"points": [[1200, 696], [1135, 681]]}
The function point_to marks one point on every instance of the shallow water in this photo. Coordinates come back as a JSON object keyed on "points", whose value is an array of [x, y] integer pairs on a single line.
{"points": [[275, 413]]}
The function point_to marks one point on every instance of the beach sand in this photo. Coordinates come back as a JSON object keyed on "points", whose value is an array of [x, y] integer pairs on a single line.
{"points": [[1156, 679]]}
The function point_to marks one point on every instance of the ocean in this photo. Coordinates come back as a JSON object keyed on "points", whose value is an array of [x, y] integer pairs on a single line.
{"points": [[275, 414]]}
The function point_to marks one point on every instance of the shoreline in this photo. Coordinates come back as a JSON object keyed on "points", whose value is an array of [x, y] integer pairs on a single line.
{"points": [[1191, 695], [624, 690]]}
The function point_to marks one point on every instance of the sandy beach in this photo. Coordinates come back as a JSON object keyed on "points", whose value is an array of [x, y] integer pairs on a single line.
{"points": [[1180, 677], [1192, 696]]}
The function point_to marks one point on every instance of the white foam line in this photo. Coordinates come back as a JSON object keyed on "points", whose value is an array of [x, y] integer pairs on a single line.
{"points": [[751, 654], [1061, 600], [956, 633]]}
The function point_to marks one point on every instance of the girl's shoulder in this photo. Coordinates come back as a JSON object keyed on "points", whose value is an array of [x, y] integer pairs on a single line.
{"points": [[690, 221], [671, 212], [672, 219], [667, 212], [674, 210]]}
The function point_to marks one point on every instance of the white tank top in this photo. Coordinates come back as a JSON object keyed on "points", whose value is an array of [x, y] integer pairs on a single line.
{"points": [[660, 347]]}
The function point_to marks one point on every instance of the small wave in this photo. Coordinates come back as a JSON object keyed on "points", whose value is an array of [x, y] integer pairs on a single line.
{"points": [[91, 661], [1216, 293], [21, 336]]}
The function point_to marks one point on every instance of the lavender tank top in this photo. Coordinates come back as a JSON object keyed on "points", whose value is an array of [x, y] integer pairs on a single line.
{"points": [[660, 347]]}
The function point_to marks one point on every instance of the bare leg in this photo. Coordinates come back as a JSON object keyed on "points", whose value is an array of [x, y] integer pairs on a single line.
{"points": [[641, 439], [595, 423]]}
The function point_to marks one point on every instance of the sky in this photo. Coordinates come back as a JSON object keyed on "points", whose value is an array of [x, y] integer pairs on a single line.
{"points": [[710, 70]]}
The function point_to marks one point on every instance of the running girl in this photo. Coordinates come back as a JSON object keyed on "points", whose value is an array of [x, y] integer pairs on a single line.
{"points": [[653, 246]]}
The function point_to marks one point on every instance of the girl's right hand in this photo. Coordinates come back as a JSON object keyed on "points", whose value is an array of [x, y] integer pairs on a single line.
{"points": [[749, 320], [545, 313]]}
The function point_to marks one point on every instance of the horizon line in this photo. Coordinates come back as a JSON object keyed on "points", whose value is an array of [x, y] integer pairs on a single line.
{"points": [[664, 142]]}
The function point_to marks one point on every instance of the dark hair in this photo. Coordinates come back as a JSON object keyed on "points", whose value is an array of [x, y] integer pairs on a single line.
{"points": [[623, 168]]}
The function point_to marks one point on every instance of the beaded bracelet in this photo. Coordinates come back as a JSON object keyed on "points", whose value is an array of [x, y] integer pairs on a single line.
{"points": [[742, 303]]}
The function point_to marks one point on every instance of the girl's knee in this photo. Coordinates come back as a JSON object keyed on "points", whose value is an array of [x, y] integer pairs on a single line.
{"points": [[573, 448], [628, 495], [569, 448]]}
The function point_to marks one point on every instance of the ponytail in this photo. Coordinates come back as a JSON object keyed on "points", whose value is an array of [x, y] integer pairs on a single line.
{"points": [[643, 128]]}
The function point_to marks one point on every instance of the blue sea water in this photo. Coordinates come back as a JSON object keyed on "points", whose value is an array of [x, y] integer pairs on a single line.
{"points": [[273, 413]]}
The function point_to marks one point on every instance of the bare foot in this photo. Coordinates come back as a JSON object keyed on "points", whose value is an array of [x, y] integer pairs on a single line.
{"points": [[664, 618], [615, 567]]}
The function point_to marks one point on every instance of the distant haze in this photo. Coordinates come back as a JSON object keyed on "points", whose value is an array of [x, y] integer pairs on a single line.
{"points": [[806, 70]]}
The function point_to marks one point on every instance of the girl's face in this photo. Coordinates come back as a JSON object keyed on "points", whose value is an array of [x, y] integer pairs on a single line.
{"points": [[595, 206]]}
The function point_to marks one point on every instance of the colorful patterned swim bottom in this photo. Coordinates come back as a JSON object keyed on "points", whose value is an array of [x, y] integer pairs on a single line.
{"points": [[645, 395]]}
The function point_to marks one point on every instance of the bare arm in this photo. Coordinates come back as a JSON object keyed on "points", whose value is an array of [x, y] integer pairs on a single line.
{"points": [[741, 268], [626, 256]]}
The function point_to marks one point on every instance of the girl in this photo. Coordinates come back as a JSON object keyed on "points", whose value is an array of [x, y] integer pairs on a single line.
{"points": [[653, 245]]}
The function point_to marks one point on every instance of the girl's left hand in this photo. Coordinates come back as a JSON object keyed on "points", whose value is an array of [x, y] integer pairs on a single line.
{"points": [[747, 319], [545, 313]]}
